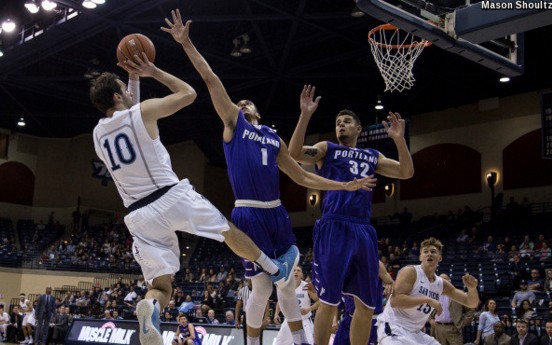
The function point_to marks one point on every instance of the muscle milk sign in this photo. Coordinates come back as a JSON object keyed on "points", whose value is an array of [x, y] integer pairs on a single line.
{"points": [[88, 331]]}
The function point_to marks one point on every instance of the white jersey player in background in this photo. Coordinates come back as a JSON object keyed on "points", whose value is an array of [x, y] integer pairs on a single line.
{"points": [[416, 295], [304, 296], [127, 141]]}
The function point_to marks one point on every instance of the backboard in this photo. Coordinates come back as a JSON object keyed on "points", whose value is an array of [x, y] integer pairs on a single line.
{"points": [[489, 33]]}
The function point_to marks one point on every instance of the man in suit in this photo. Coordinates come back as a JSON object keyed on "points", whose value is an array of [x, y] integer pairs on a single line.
{"points": [[547, 338], [449, 325], [499, 337], [60, 326], [14, 328], [523, 337], [45, 311]]}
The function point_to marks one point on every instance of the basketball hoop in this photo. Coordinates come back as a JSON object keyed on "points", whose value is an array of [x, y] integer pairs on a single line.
{"points": [[395, 54]]}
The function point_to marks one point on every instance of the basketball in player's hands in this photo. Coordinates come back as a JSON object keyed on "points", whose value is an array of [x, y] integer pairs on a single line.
{"points": [[135, 44]]}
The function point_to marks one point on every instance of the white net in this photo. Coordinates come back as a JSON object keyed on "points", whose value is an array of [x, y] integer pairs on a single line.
{"points": [[395, 53]]}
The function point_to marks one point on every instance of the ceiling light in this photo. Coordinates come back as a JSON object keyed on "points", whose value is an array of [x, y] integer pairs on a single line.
{"points": [[236, 51], [88, 4], [99, 2], [48, 5], [245, 46], [21, 122], [357, 12], [379, 105], [8, 26], [31, 6], [504, 79]]}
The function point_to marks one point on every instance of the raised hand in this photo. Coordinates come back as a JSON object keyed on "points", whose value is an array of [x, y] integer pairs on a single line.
{"points": [[139, 66], [176, 28], [396, 129], [366, 183], [469, 281], [307, 102]]}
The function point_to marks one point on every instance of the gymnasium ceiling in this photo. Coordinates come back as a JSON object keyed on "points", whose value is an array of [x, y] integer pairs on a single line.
{"points": [[292, 42]]}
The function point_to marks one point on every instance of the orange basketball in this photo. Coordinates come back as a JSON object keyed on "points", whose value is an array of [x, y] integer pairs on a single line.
{"points": [[135, 44]]}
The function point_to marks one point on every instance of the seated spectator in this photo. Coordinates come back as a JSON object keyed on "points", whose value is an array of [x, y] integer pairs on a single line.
{"points": [[171, 308], [203, 276], [130, 296], [547, 338], [522, 295], [463, 238], [500, 255], [60, 325], [4, 322], [548, 280], [188, 276], [527, 241], [525, 311], [489, 246], [187, 306], [211, 317], [221, 276], [526, 253], [230, 318], [544, 253], [14, 331], [199, 318], [168, 317], [178, 298], [499, 337], [212, 276], [513, 253], [536, 283], [523, 337], [107, 315], [540, 242], [116, 315]]}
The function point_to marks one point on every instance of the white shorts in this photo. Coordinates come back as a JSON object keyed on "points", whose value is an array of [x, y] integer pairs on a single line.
{"points": [[401, 336], [28, 319], [155, 246], [284, 336]]}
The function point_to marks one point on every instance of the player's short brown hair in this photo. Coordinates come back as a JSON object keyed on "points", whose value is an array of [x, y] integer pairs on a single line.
{"points": [[350, 113], [102, 89], [432, 241]]}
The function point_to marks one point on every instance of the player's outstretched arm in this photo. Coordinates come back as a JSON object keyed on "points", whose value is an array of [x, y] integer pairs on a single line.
{"points": [[310, 180], [404, 167], [134, 87], [306, 154], [226, 109], [471, 299]]}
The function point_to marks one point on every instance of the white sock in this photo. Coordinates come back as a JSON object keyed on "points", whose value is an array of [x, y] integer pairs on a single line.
{"points": [[299, 337], [253, 340], [266, 263]]}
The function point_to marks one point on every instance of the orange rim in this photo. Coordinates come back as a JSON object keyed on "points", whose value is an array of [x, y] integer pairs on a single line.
{"points": [[389, 27]]}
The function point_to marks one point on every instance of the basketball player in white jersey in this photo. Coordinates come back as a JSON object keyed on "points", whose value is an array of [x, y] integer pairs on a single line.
{"points": [[304, 297], [127, 141], [416, 295]]}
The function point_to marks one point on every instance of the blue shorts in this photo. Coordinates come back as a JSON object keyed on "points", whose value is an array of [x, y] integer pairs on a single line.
{"points": [[346, 260], [343, 332], [269, 228]]}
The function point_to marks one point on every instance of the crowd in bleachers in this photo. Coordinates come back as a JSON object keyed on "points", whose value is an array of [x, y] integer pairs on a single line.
{"points": [[513, 264]]}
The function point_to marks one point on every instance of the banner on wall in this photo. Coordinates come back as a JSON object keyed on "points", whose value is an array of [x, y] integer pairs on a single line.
{"points": [[546, 115], [105, 332]]}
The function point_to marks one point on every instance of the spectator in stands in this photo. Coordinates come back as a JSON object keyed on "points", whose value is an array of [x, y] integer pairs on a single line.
{"points": [[232, 283], [523, 337], [526, 253], [116, 306], [168, 317], [544, 253], [188, 276], [203, 276], [548, 280], [229, 318], [141, 284], [187, 306], [221, 276], [171, 308], [199, 318], [527, 241], [540, 242], [130, 296], [14, 331], [179, 297], [415, 250], [517, 270], [547, 338], [4, 322], [212, 276], [463, 238], [536, 283], [522, 295], [486, 321], [500, 255], [211, 317], [107, 315], [499, 337], [61, 324], [525, 311], [513, 253], [116, 315]]}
